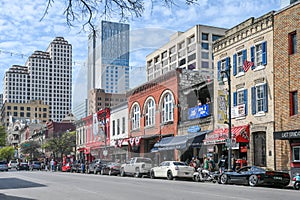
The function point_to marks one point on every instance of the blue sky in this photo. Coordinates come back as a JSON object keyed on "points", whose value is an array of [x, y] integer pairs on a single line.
{"points": [[22, 31]]}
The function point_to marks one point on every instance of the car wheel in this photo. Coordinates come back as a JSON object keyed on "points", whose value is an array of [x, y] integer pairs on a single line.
{"points": [[169, 175], [224, 179], [109, 172], [137, 173], [152, 175], [253, 180], [122, 172]]}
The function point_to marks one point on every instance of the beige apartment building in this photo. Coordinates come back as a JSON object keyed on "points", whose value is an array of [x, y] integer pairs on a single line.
{"points": [[98, 99], [34, 111], [191, 50], [250, 89]]}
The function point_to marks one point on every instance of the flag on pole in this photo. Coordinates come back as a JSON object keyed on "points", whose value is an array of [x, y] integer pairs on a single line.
{"points": [[247, 65]]}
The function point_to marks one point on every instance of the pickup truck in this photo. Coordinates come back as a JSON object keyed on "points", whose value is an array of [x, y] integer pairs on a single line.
{"points": [[137, 167]]}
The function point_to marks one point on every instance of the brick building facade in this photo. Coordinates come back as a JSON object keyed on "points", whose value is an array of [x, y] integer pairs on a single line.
{"points": [[286, 88]]}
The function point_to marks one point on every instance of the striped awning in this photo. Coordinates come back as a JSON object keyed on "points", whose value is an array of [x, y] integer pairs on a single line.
{"points": [[240, 134]]}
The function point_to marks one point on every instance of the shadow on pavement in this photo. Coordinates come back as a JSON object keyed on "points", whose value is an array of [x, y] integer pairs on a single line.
{"points": [[5, 197], [15, 183]]}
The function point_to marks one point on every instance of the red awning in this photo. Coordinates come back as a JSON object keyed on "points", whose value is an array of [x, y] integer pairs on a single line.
{"points": [[219, 136]]}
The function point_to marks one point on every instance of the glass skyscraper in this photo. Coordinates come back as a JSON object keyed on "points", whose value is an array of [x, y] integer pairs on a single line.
{"points": [[108, 58]]}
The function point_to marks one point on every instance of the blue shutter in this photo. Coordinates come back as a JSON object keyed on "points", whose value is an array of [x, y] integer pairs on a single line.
{"points": [[227, 64], [265, 86], [253, 100], [235, 99], [246, 101], [244, 56], [219, 69], [234, 64], [264, 53], [252, 51]]}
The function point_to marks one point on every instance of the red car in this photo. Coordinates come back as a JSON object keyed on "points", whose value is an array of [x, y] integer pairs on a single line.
{"points": [[66, 168]]}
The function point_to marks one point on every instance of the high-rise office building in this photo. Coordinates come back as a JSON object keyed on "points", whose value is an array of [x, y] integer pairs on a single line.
{"points": [[46, 76], [284, 3], [108, 58]]}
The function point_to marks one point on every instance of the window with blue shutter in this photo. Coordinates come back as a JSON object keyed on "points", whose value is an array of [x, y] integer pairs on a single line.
{"points": [[234, 65], [259, 98]]}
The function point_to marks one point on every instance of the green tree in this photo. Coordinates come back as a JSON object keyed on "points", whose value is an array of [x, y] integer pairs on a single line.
{"points": [[91, 10], [62, 144], [31, 148], [2, 136], [7, 153]]}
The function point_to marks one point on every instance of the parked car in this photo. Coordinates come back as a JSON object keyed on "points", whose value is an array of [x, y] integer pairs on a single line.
{"points": [[172, 170], [13, 164], [253, 176], [23, 166], [96, 165], [3, 166], [137, 166], [66, 167], [111, 168], [35, 165]]}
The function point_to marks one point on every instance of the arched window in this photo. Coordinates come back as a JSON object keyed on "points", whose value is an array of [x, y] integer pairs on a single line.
{"points": [[150, 113], [135, 117], [167, 108]]}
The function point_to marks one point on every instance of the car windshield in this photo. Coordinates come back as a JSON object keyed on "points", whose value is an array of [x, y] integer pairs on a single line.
{"points": [[145, 160], [179, 163]]}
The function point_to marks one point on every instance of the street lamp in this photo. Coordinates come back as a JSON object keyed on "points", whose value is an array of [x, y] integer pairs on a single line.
{"points": [[226, 72]]}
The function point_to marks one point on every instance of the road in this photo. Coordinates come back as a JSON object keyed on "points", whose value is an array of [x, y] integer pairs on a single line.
{"points": [[41, 185]]}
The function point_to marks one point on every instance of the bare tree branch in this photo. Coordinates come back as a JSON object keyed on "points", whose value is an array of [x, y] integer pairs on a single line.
{"points": [[88, 10]]}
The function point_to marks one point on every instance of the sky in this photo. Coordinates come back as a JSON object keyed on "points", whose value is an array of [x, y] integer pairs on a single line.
{"points": [[23, 30]]}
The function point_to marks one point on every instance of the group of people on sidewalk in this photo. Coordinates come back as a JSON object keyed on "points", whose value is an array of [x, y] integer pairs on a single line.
{"points": [[210, 165]]}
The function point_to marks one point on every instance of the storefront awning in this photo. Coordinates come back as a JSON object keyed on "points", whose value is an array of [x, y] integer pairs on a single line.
{"points": [[240, 134], [180, 142]]}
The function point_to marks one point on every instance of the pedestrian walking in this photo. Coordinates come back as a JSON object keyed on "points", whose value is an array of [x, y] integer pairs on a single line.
{"points": [[52, 164]]}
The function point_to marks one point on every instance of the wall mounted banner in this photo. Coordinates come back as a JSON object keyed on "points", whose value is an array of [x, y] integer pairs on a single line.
{"points": [[199, 111]]}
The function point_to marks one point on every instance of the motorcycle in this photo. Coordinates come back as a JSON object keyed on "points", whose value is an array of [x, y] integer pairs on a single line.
{"points": [[296, 181], [202, 175]]}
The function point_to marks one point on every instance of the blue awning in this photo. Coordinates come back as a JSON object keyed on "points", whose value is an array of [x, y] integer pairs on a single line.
{"points": [[180, 142]]}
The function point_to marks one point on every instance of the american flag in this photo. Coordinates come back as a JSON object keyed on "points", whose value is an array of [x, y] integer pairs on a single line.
{"points": [[247, 65]]}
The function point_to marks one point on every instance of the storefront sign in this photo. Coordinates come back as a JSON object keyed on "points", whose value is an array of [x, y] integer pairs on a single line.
{"points": [[238, 111], [194, 129], [285, 135]]}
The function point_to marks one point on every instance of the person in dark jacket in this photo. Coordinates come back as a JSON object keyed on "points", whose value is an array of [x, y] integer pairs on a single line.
{"points": [[222, 164]]}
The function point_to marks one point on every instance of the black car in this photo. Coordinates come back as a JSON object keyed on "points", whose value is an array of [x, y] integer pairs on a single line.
{"points": [[111, 168], [253, 176], [96, 166], [23, 166]]}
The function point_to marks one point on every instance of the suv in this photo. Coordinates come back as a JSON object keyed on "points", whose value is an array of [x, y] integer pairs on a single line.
{"points": [[96, 166], [13, 164]]}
